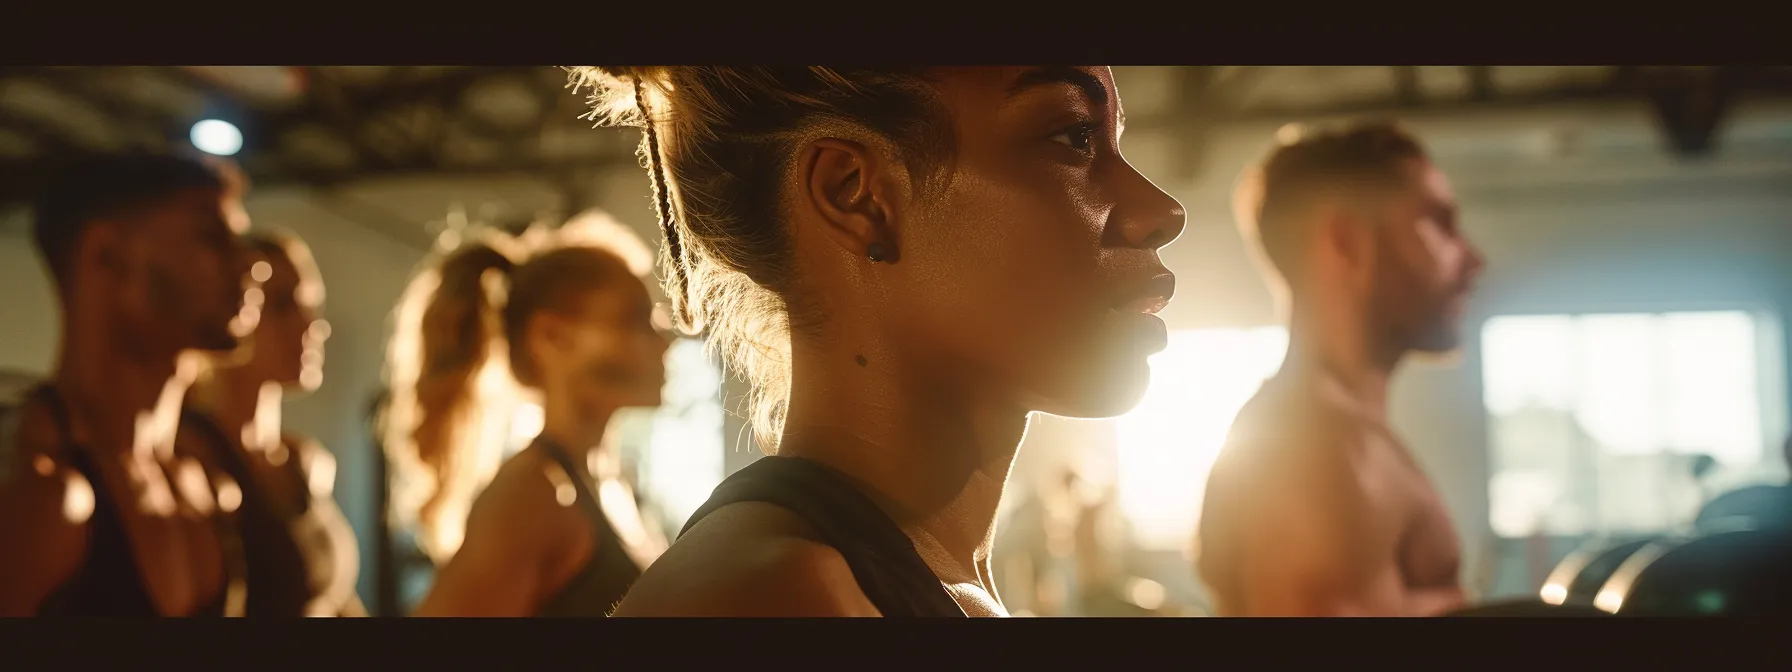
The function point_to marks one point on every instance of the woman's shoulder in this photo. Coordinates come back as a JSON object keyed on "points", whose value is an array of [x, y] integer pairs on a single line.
{"points": [[749, 559], [528, 494]]}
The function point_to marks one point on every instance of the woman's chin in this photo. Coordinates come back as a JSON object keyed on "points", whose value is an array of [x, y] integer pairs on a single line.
{"points": [[1114, 392], [654, 400]]}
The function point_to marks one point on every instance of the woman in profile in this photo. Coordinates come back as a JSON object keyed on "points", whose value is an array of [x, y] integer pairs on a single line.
{"points": [[561, 316], [905, 263], [300, 551]]}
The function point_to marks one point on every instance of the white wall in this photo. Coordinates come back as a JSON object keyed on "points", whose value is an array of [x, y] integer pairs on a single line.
{"points": [[28, 312]]}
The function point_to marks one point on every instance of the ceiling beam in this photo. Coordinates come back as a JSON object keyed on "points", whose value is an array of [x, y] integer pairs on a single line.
{"points": [[1406, 85], [349, 111], [19, 179], [47, 137], [138, 120], [436, 89], [1516, 102], [1480, 83], [1206, 95], [1692, 104]]}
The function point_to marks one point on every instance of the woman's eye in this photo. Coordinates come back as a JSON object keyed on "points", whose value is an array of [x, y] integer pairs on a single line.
{"points": [[1080, 137]]}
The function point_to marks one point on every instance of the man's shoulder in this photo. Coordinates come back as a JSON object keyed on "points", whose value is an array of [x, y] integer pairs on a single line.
{"points": [[1294, 416], [1291, 442]]}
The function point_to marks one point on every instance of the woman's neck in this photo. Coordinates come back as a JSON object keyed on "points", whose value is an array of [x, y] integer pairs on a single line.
{"points": [[578, 431], [935, 458]]}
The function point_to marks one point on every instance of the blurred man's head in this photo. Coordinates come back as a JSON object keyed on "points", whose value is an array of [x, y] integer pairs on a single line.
{"points": [[150, 241], [1360, 215], [1786, 452]]}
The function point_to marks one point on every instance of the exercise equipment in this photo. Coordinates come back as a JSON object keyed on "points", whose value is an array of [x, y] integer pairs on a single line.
{"points": [[1752, 507], [1576, 580], [1730, 573], [1528, 608]]}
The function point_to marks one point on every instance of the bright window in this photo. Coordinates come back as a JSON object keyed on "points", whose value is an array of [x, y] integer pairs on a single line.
{"points": [[1168, 443], [1595, 420], [683, 462]]}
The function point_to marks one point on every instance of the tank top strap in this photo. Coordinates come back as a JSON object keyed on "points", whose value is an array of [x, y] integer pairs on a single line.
{"points": [[883, 559], [581, 483]]}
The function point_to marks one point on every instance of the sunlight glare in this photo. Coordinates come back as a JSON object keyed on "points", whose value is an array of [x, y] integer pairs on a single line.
{"points": [[1169, 442]]}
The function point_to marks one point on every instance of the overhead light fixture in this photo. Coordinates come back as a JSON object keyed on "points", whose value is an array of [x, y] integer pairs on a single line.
{"points": [[214, 136]]}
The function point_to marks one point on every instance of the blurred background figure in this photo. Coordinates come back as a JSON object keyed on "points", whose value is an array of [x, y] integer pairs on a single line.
{"points": [[1316, 507], [1037, 549], [1700, 468], [562, 316], [100, 517], [1065, 551], [300, 550]]}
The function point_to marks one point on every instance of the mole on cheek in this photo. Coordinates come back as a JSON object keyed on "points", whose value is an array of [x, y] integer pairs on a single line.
{"points": [[860, 359]]}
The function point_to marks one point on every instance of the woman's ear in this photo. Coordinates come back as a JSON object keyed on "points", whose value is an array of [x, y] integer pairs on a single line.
{"points": [[845, 191]]}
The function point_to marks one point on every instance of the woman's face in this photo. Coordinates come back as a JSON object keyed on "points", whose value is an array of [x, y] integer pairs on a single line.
{"points": [[606, 350], [289, 337], [1032, 275]]}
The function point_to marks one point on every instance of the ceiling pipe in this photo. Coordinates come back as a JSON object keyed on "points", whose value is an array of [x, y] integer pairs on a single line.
{"points": [[262, 84]]}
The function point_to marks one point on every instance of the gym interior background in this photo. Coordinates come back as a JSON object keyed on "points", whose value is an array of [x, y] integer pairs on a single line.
{"points": [[1638, 224]]}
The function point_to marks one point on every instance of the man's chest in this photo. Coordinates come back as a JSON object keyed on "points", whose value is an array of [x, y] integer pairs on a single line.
{"points": [[1426, 547]]}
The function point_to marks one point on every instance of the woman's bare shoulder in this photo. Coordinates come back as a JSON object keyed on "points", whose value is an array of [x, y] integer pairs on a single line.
{"points": [[749, 559], [529, 495]]}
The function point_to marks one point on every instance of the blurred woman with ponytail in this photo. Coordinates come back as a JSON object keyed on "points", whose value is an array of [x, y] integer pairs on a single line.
{"points": [[559, 317], [300, 551]]}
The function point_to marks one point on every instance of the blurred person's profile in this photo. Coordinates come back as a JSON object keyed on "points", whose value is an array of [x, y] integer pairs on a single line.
{"points": [[299, 548], [99, 515], [560, 317], [1315, 507]]}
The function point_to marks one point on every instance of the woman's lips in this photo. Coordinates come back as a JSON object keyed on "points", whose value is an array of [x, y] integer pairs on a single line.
{"points": [[1150, 305]]}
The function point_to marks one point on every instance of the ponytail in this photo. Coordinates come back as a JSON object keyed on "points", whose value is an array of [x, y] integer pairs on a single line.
{"points": [[448, 335]]}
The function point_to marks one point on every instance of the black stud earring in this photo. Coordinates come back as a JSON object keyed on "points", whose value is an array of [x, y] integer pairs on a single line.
{"points": [[875, 252]]}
